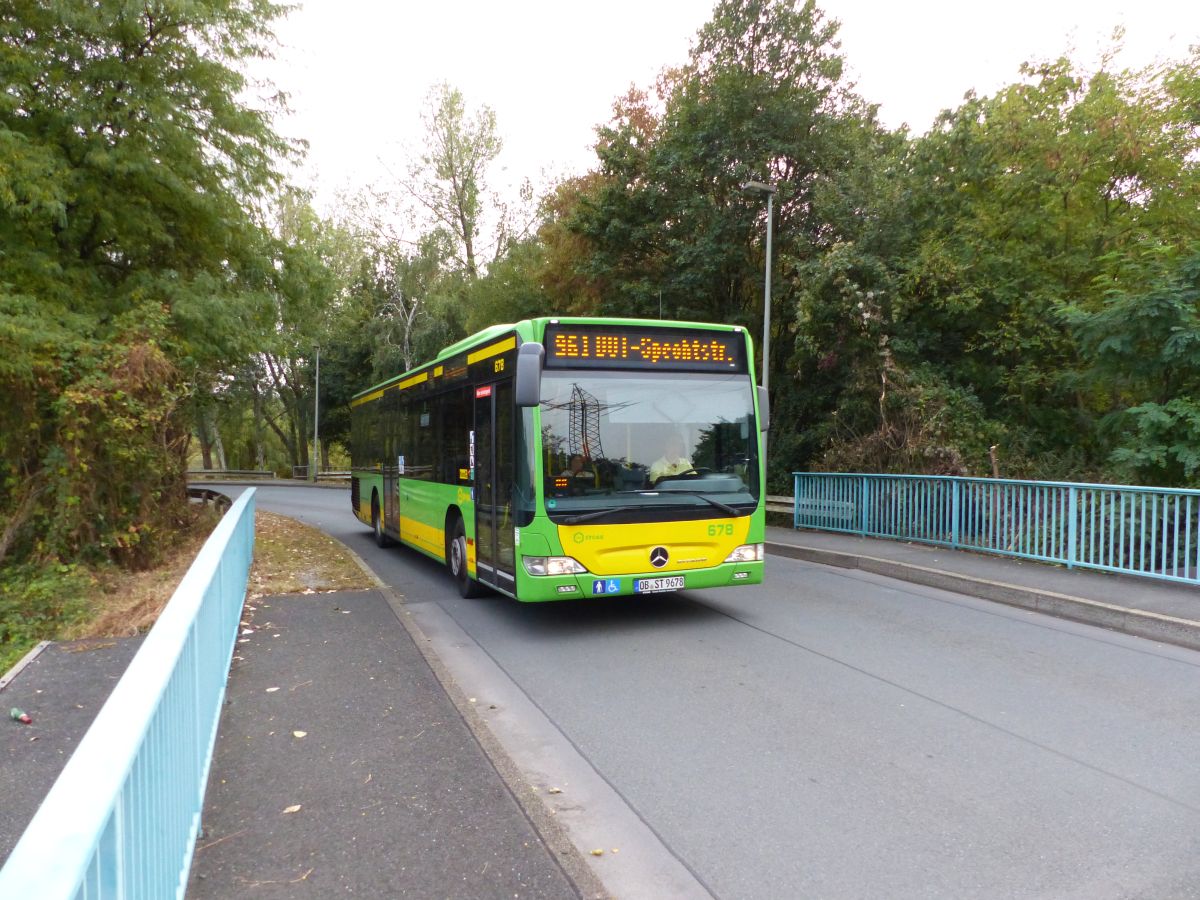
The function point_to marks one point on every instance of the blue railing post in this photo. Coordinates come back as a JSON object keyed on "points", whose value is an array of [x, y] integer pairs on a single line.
{"points": [[1072, 525], [796, 500], [865, 496], [955, 510]]}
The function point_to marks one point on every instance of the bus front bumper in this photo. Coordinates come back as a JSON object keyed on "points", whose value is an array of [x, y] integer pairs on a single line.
{"points": [[566, 587]]}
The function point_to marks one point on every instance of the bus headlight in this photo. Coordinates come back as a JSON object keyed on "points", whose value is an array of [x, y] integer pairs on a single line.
{"points": [[553, 565], [746, 553]]}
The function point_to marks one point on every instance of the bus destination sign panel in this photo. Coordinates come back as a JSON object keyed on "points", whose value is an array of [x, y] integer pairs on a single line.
{"points": [[649, 347]]}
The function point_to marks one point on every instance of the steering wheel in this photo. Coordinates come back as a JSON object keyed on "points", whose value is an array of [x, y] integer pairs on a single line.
{"points": [[692, 471]]}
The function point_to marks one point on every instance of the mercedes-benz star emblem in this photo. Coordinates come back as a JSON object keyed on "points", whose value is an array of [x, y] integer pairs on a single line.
{"points": [[659, 557]]}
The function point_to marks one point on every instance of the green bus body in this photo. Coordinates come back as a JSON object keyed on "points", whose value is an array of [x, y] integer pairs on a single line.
{"points": [[521, 457]]}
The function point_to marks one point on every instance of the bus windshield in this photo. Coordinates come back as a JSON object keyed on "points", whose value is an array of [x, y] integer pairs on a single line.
{"points": [[628, 441]]}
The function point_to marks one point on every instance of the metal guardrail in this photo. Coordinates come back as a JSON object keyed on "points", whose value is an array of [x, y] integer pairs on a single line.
{"points": [[1151, 532], [121, 820], [194, 474], [778, 503], [300, 473]]}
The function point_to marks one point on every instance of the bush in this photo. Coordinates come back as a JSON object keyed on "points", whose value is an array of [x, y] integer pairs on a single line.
{"points": [[921, 424], [37, 603]]}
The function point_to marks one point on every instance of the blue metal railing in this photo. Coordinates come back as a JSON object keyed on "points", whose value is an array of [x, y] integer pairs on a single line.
{"points": [[121, 820], [1152, 532]]}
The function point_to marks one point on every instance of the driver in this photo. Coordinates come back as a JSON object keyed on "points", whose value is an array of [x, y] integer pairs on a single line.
{"points": [[672, 462]]}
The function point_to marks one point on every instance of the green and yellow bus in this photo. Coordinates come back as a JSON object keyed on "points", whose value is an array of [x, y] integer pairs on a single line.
{"points": [[571, 457]]}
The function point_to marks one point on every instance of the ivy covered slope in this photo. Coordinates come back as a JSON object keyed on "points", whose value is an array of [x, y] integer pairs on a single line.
{"points": [[131, 266]]}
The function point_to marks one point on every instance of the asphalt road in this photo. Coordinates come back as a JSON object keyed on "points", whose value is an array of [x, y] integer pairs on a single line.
{"points": [[828, 734]]}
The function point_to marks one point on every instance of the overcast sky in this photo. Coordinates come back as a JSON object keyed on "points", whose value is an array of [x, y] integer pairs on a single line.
{"points": [[358, 70]]}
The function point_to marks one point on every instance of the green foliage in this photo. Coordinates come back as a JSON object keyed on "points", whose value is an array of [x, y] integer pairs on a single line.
{"points": [[1164, 445], [1028, 207], [919, 424], [1144, 351], [511, 290], [131, 269], [36, 604], [670, 224], [983, 285]]}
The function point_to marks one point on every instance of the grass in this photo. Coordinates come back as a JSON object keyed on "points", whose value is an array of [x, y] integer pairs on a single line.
{"points": [[71, 602], [293, 558]]}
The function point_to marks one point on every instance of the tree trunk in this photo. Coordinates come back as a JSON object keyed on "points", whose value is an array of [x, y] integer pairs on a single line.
{"points": [[218, 445], [205, 444], [260, 448]]}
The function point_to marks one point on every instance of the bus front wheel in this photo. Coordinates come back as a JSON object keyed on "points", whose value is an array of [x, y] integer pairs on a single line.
{"points": [[457, 558]]}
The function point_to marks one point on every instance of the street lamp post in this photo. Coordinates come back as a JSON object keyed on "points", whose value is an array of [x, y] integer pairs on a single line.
{"points": [[769, 190], [314, 469]]}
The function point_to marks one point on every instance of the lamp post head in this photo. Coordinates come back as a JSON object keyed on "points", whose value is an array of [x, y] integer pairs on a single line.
{"points": [[758, 186]]}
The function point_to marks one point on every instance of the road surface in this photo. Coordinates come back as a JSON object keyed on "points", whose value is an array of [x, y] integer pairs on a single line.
{"points": [[827, 734]]}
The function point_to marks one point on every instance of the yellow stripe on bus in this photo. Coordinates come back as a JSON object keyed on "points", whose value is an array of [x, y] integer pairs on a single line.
{"points": [[493, 350], [367, 399], [419, 378], [427, 537]]}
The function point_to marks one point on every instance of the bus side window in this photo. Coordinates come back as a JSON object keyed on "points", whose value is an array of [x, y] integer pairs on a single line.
{"points": [[456, 428]]}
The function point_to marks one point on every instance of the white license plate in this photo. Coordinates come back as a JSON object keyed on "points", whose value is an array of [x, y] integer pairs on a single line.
{"points": [[654, 585]]}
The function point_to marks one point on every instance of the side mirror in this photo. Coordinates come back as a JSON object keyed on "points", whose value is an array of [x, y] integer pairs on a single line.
{"points": [[764, 409], [528, 388]]}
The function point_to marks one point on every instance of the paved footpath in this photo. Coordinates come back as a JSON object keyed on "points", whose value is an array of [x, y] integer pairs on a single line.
{"points": [[62, 688], [343, 768]]}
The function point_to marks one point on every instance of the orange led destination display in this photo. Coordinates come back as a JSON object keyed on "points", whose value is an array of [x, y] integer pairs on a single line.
{"points": [[632, 347]]}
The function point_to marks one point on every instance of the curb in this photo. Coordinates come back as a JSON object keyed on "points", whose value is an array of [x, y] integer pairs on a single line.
{"points": [[25, 660], [1154, 626]]}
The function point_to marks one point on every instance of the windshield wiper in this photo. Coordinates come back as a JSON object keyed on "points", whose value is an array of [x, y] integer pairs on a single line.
{"points": [[588, 516], [724, 507]]}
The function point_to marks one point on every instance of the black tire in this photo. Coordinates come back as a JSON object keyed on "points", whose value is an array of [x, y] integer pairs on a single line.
{"points": [[381, 539], [456, 561]]}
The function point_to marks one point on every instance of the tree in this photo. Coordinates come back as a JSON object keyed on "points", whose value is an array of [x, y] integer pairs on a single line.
{"points": [[1144, 348], [669, 222], [1032, 203], [448, 183], [511, 290], [129, 260], [310, 301]]}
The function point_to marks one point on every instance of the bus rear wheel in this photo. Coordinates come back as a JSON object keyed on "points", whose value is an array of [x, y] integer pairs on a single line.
{"points": [[456, 558]]}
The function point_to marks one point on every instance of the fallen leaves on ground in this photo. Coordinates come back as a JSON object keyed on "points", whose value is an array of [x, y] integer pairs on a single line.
{"points": [[293, 558]]}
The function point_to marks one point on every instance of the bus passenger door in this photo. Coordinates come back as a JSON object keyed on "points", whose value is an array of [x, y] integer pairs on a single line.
{"points": [[391, 488], [494, 545]]}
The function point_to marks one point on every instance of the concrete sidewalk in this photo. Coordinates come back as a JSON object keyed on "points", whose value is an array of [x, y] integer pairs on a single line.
{"points": [[62, 686], [343, 767], [1158, 610]]}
